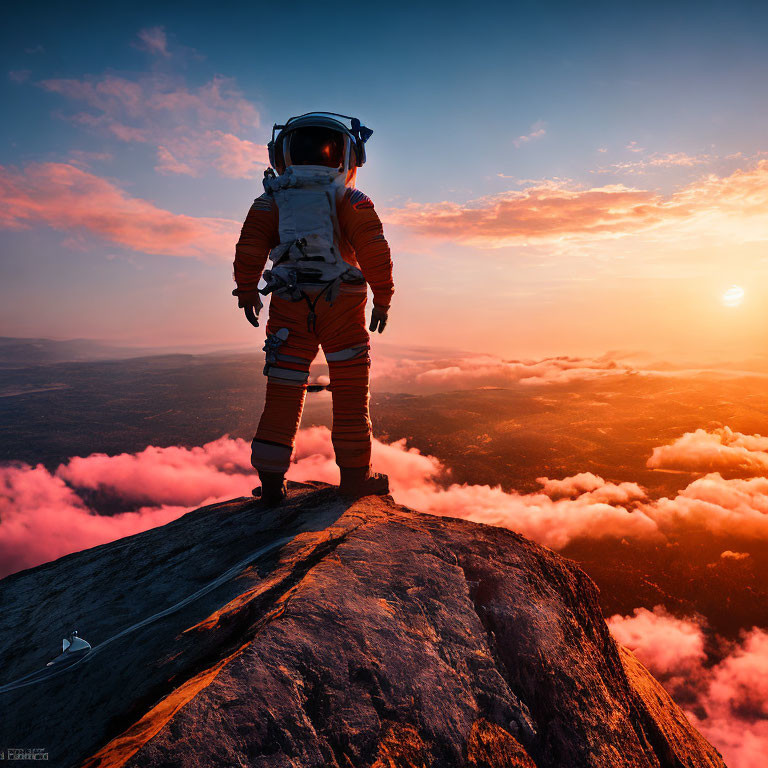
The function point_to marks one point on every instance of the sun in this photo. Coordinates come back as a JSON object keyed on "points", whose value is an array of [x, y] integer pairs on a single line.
{"points": [[733, 296]]}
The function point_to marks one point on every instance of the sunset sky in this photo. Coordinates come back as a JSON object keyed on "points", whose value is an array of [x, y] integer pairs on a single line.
{"points": [[553, 178]]}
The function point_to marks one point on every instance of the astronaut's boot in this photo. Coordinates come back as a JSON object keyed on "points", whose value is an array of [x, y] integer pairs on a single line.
{"points": [[273, 490], [357, 482]]}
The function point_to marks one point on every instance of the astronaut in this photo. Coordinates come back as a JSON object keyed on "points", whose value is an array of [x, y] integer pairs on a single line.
{"points": [[327, 246]]}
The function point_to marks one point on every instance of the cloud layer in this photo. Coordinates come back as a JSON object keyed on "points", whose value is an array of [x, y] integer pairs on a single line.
{"points": [[727, 702], [431, 374], [44, 514]]}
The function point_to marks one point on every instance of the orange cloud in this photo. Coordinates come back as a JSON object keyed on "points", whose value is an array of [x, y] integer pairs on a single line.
{"points": [[730, 555], [546, 212], [70, 199], [720, 449], [732, 208], [712, 504]]}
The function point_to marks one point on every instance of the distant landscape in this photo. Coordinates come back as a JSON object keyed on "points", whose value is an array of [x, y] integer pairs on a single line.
{"points": [[508, 437]]}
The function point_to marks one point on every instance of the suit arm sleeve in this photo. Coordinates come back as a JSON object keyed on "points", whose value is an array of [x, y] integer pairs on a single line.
{"points": [[363, 229], [258, 237]]}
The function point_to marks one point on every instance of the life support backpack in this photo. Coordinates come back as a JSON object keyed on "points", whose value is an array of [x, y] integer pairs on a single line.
{"points": [[308, 256]]}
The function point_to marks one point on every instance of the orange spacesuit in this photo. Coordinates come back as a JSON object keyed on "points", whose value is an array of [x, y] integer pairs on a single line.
{"points": [[311, 308]]}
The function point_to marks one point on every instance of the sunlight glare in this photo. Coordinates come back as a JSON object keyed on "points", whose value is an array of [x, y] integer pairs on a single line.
{"points": [[733, 296]]}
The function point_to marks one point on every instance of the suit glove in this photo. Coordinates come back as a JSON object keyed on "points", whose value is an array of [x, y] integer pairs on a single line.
{"points": [[248, 299], [378, 318]]}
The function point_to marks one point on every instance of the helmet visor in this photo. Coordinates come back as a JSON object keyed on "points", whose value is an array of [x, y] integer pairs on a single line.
{"points": [[313, 145]]}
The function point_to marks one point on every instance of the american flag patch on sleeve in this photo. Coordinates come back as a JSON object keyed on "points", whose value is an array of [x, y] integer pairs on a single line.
{"points": [[360, 200]]}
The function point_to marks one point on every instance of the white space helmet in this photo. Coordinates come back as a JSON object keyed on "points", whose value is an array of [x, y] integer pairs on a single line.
{"points": [[318, 138]]}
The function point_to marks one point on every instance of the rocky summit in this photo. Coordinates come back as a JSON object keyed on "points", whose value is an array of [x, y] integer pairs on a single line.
{"points": [[327, 633]]}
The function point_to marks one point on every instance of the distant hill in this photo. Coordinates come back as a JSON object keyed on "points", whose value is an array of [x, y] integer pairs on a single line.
{"points": [[21, 352]]}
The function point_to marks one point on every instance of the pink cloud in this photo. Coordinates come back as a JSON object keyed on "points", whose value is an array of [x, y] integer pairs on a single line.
{"points": [[740, 681], [742, 742], [193, 129], [717, 505], [727, 702], [719, 449], [42, 519], [582, 506], [154, 40], [407, 468], [168, 163], [70, 199], [165, 481], [173, 475], [663, 643], [160, 102], [736, 703], [728, 208], [592, 487], [217, 104], [234, 158]]}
